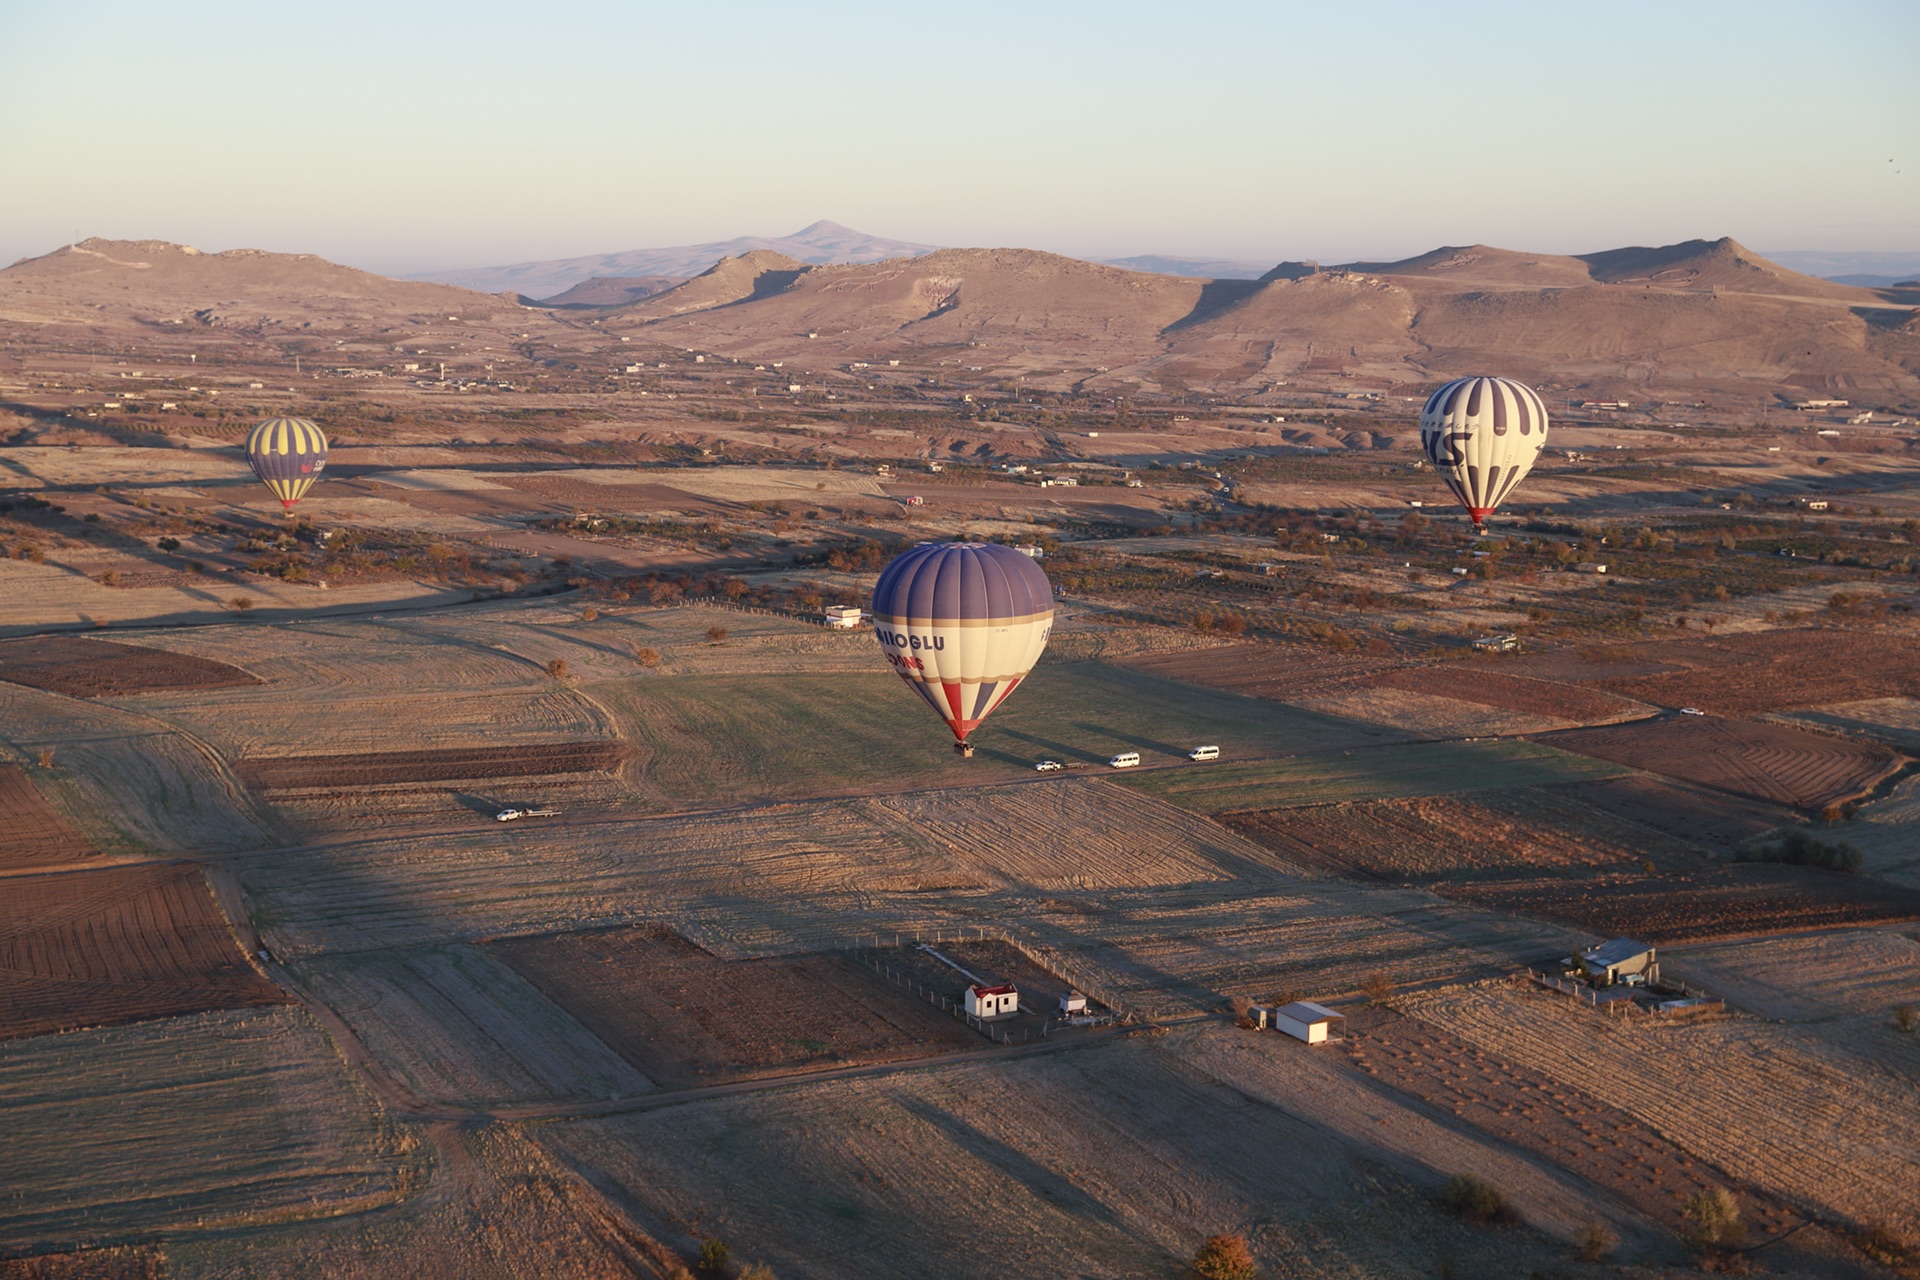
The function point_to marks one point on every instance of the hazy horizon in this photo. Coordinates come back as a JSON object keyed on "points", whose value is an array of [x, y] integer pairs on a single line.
{"points": [[415, 140]]}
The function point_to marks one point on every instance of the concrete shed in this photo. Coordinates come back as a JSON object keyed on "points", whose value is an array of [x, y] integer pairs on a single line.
{"points": [[1305, 1020], [1619, 958]]}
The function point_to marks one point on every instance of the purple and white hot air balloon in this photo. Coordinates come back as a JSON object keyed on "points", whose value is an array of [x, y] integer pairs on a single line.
{"points": [[1482, 435], [962, 623]]}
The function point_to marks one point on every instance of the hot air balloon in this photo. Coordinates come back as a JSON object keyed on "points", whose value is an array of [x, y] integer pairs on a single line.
{"points": [[962, 623], [287, 454], [1482, 435]]}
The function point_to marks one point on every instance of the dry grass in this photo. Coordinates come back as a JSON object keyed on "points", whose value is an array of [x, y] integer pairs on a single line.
{"points": [[215, 1120], [1816, 1116]]}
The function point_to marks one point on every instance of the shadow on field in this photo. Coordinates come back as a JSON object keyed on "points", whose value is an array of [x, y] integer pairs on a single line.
{"points": [[1059, 1193], [1144, 744], [478, 804]]}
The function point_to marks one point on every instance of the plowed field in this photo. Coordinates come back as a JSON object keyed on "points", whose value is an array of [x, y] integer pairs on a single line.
{"points": [[1556, 1122], [32, 832], [96, 669], [1265, 671], [1691, 813], [373, 768], [686, 1017], [86, 948], [1746, 757], [1732, 901], [1772, 670]]}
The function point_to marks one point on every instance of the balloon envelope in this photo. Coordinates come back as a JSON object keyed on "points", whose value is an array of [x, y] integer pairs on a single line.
{"points": [[962, 623], [1482, 435], [287, 454]]}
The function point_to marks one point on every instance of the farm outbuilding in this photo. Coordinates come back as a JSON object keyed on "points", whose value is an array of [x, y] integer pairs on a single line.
{"points": [[1072, 1003], [843, 617], [1305, 1020], [1618, 959], [987, 1003]]}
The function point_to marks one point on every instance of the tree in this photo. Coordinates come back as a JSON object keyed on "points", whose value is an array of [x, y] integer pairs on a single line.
{"points": [[1713, 1221], [716, 634], [647, 657], [714, 1256], [1477, 1201], [240, 604], [1593, 1243], [557, 668], [1224, 1257], [1377, 987]]}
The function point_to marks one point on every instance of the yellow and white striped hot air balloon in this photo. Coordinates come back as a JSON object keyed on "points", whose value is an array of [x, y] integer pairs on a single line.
{"points": [[288, 455], [1482, 435]]}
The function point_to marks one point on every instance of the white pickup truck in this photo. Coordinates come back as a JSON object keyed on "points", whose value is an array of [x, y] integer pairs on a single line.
{"points": [[509, 815]]}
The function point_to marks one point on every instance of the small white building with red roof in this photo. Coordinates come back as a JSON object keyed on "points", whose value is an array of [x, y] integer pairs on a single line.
{"points": [[987, 1003]]}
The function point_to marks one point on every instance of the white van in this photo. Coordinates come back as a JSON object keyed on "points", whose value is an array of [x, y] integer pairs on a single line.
{"points": [[1204, 753], [1125, 760]]}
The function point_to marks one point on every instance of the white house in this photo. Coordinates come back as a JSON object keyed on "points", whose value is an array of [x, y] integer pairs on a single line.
{"points": [[843, 617], [987, 1003], [1031, 550], [1071, 1003], [1304, 1020]]}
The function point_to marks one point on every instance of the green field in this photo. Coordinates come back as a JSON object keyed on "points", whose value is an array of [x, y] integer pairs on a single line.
{"points": [[1383, 773], [707, 741]]}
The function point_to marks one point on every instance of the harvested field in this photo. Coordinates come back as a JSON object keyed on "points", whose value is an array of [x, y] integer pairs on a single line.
{"points": [[1414, 769], [1891, 720], [1471, 682], [1527, 1110], [1279, 672], [453, 1025], [80, 668], [118, 944], [1425, 714], [1746, 757], [1822, 1123], [377, 768], [125, 1263], [1431, 837], [685, 1017], [1818, 977], [1704, 817], [33, 833], [212, 1122], [1131, 1154], [1774, 670], [1015, 836]]}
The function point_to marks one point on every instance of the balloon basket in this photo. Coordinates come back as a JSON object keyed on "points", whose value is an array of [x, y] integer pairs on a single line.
{"points": [[965, 749]]}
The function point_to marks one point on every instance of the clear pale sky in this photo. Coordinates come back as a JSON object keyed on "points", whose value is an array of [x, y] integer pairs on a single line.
{"points": [[417, 136]]}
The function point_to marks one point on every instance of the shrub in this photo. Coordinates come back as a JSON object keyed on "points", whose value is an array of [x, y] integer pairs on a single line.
{"points": [[1905, 1017], [1593, 1243], [1801, 848], [240, 604], [589, 614], [46, 757], [714, 1256], [1377, 987], [557, 668], [1713, 1221], [1224, 1257], [647, 657], [1474, 1200], [757, 1271], [716, 634]]}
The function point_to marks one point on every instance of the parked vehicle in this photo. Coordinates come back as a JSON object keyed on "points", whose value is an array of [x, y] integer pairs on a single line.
{"points": [[1125, 760], [510, 815], [1204, 753], [1047, 766]]}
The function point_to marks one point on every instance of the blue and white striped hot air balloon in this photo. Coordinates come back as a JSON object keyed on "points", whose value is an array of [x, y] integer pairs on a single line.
{"points": [[1482, 435], [962, 623], [288, 455]]}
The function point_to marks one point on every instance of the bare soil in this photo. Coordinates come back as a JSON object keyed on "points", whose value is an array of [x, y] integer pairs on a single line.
{"points": [[1677, 809], [685, 1017], [1279, 672], [86, 1264], [374, 768], [32, 832], [91, 669], [1467, 682], [120, 944], [1773, 670], [1746, 757]]}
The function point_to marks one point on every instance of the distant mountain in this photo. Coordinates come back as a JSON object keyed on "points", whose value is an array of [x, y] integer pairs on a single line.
{"points": [[1871, 270], [1197, 268], [821, 243]]}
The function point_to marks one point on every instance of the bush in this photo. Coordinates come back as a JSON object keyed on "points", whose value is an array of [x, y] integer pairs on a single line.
{"points": [[1801, 848], [1713, 1221], [716, 634], [647, 657], [1593, 1243], [1377, 987], [1473, 1200], [714, 1256], [1905, 1017], [557, 668], [1224, 1258]]}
